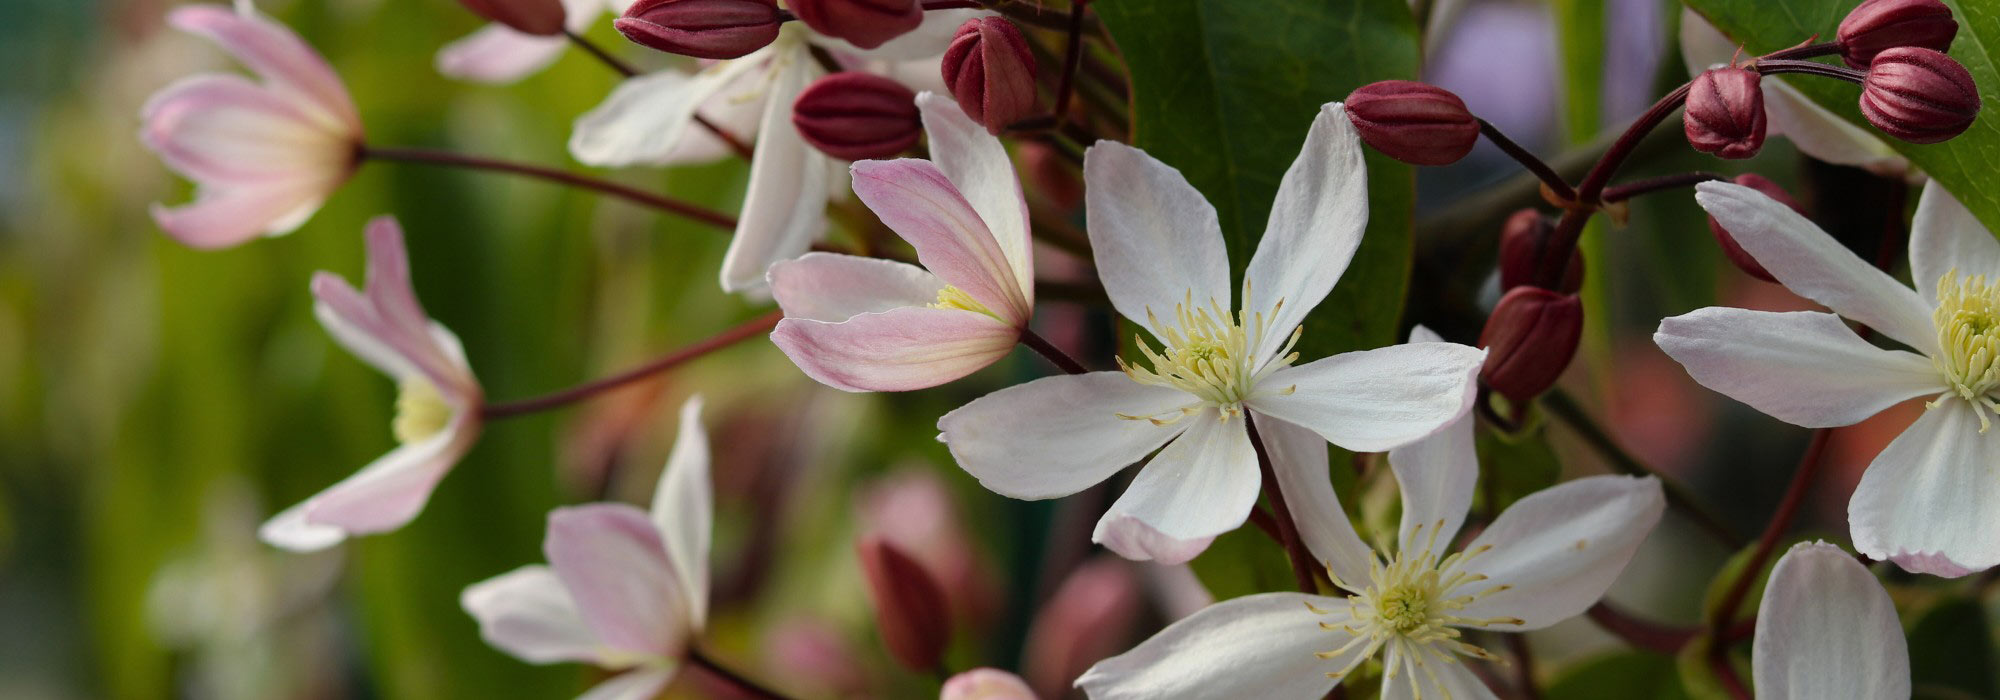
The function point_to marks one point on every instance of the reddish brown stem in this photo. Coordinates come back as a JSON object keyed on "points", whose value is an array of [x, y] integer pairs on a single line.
{"points": [[750, 688], [1288, 530], [667, 204], [746, 330], [1527, 160], [1644, 634], [1072, 57], [1053, 354]]}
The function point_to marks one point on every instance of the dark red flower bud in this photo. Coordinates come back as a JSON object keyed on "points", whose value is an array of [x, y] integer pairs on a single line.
{"points": [[1529, 340], [1743, 261], [1919, 95], [910, 607], [1725, 113], [1877, 25], [701, 28], [1521, 241], [538, 17], [991, 73], [863, 23], [1413, 122], [857, 116]]}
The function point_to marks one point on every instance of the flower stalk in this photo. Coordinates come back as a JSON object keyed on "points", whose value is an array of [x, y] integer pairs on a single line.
{"points": [[748, 329], [687, 210]]}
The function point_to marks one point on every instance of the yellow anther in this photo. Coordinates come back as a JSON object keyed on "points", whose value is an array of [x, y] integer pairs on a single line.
{"points": [[954, 298], [1968, 328]]}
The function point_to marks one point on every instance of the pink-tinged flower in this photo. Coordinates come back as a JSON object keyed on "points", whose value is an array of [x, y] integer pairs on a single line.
{"points": [[1090, 617], [865, 324], [263, 155], [1159, 251], [1826, 629], [1926, 501], [625, 589], [437, 411], [499, 54], [985, 684], [649, 120], [1547, 558]]}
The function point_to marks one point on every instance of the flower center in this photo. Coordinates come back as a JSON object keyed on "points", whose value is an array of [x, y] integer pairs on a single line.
{"points": [[954, 298], [1209, 353], [1410, 603], [1968, 326], [421, 412]]}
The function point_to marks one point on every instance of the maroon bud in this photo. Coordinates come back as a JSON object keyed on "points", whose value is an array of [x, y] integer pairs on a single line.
{"points": [[1417, 123], [701, 28], [863, 23], [910, 606], [991, 73], [538, 17], [1919, 95], [1521, 241], [1743, 261], [1529, 340], [1877, 25], [1725, 113], [857, 116]]}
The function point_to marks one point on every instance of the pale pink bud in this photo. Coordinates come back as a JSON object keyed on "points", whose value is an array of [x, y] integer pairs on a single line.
{"points": [[857, 116], [991, 72], [1725, 113], [1417, 123], [910, 608], [538, 17], [701, 28], [1529, 340], [863, 23], [1089, 618], [1919, 95], [1878, 25]]}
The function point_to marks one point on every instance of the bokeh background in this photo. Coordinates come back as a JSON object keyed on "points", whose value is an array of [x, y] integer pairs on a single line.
{"points": [[157, 402]]}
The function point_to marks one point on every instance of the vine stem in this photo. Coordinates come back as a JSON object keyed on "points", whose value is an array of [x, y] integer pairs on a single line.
{"points": [[1072, 57], [697, 658], [1619, 193], [1053, 354], [732, 336], [1570, 413], [670, 205], [1288, 529], [1535, 165], [1644, 634]]}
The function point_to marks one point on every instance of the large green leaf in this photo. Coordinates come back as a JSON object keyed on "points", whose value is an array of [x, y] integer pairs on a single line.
{"points": [[1964, 164], [1224, 90]]}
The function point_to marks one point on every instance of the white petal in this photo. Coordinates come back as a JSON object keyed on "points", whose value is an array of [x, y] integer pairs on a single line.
{"points": [[1803, 367], [1058, 435], [1259, 646], [1826, 629], [1298, 460], [1826, 136], [1814, 265], [832, 287], [1928, 500], [1202, 485], [1373, 400], [1436, 476], [527, 613], [1156, 241], [1560, 548], [1316, 223], [641, 684], [977, 164], [684, 510], [383, 496], [647, 116], [784, 208], [497, 54], [1945, 237]]}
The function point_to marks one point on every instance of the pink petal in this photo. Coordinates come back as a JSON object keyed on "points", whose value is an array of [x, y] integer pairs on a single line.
{"points": [[276, 54], [385, 324], [978, 167], [900, 350], [222, 130], [832, 287], [640, 684], [224, 218], [1133, 539], [383, 496], [612, 560], [498, 55], [1202, 484], [527, 613], [922, 206]]}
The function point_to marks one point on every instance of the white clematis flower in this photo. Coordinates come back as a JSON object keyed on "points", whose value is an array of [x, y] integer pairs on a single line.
{"points": [[1826, 629], [649, 120], [625, 589], [1927, 502], [1546, 559], [1159, 250]]}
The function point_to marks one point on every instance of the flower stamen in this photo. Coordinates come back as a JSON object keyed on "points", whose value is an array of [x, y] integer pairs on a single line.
{"points": [[1210, 353], [1968, 326]]}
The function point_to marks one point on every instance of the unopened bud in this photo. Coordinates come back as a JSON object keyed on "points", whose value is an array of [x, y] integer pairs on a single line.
{"points": [[1725, 113], [863, 23], [985, 684], [1878, 25], [1417, 123], [538, 17], [1521, 242], [1529, 340], [1919, 95], [701, 28], [910, 606], [991, 72], [1736, 254], [857, 116]]}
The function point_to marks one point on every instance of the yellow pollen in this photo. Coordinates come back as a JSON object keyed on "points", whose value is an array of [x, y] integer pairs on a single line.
{"points": [[1968, 326], [1410, 606], [1210, 353], [954, 298], [421, 412]]}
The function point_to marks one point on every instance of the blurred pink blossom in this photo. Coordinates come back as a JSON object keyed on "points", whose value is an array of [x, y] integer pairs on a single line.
{"points": [[1089, 618]]}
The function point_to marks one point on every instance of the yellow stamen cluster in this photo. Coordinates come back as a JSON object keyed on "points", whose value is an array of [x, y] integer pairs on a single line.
{"points": [[1409, 606], [954, 298], [1968, 326], [421, 412], [1211, 354]]}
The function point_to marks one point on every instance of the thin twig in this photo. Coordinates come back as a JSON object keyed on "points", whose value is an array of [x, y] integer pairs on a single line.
{"points": [[752, 688], [1072, 56], [1570, 413], [1644, 634], [1054, 354], [1619, 193], [1528, 160], [668, 204], [744, 331]]}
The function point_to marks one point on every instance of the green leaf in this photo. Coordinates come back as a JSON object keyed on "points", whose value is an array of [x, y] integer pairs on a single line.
{"points": [[1697, 672], [1951, 647], [1651, 676], [1515, 466], [1964, 164], [1224, 90]]}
